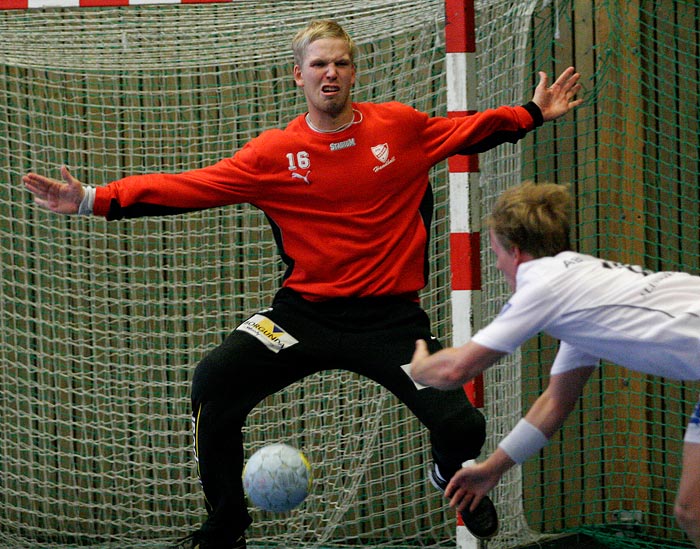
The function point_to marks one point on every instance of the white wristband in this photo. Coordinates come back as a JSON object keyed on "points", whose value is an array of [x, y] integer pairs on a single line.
{"points": [[523, 442], [88, 202]]}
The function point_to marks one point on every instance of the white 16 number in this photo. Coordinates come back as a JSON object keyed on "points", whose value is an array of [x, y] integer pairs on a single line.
{"points": [[298, 161]]}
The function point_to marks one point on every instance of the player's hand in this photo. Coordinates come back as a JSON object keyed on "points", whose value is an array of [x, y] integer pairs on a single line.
{"points": [[469, 485], [58, 196], [418, 361], [421, 352], [558, 99]]}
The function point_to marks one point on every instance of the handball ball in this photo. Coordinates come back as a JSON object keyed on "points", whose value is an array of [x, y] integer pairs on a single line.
{"points": [[277, 478]]}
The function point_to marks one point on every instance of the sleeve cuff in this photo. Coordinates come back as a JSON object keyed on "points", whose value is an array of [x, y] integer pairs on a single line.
{"points": [[535, 112], [86, 205]]}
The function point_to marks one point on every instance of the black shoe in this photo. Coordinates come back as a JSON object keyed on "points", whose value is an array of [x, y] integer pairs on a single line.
{"points": [[482, 522], [196, 541]]}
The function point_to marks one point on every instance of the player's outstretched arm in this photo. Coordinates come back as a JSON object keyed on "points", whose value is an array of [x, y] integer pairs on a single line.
{"points": [[471, 483], [62, 197], [558, 99], [452, 367]]}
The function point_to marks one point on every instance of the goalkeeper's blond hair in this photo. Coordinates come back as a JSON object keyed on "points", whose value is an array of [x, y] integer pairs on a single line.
{"points": [[536, 218], [317, 30]]}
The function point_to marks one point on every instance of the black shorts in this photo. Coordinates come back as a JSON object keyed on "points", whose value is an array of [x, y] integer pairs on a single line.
{"points": [[372, 337]]}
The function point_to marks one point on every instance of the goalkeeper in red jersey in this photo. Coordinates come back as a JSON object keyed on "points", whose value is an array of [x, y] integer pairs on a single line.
{"points": [[345, 188]]}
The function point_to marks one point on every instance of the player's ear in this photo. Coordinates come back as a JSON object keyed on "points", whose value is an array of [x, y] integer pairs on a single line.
{"points": [[520, 256], [517, 253], [297, 76]]}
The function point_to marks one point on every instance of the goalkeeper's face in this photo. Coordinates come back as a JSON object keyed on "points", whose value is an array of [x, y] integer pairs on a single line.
{"points": [[326, 75]]}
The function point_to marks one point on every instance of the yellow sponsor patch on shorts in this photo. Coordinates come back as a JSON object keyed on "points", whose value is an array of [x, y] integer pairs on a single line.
{"points": [[273, 336]]}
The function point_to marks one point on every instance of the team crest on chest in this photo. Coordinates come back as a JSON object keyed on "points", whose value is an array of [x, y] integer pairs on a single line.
{"points": [[381, 153]]}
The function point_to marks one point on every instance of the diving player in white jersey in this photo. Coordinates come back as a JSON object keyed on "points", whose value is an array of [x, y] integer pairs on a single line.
{"points": [[599, 309]]}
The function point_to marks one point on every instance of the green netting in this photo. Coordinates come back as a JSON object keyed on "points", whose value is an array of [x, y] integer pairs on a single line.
{"points": [[631, 155]]}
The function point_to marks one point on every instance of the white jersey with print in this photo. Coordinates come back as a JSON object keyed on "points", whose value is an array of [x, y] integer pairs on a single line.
{"points": [[599, 309]]}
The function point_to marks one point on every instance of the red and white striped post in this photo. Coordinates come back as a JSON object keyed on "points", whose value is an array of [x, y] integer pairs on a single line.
{"points": [[465, 259]]}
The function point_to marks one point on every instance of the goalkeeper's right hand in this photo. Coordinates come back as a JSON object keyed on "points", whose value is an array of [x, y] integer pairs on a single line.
{"points": [[62, 197]]}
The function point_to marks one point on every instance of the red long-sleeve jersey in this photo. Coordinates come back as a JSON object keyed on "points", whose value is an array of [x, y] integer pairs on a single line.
{"points": [[350, 210]]}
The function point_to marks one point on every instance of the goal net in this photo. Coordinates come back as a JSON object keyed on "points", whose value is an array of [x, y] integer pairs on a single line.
{"points": [[103, 323]]}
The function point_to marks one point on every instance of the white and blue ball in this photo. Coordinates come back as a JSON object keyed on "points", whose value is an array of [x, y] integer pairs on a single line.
{"points": [[277, 478]]}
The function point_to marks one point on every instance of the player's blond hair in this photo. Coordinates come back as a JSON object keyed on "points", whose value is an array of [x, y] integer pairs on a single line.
{"points": [[536, 218], [317, 30]]}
